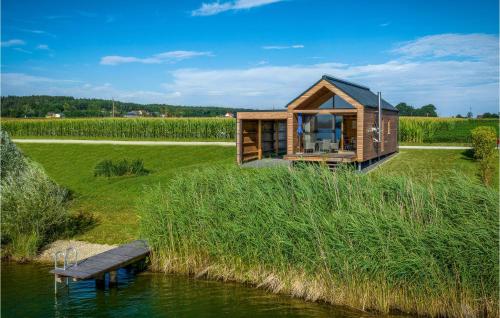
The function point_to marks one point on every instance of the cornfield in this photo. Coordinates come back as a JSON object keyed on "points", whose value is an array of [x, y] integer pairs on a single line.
{"points": [[154, 128], [428, 130], [411, 129]]}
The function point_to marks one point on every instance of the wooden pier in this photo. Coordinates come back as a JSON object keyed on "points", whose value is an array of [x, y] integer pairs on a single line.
{"points": [[95, 267]]}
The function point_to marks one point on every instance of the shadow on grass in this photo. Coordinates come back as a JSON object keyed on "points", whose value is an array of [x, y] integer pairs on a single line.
{"points": [[80, 223], [468, 154]]}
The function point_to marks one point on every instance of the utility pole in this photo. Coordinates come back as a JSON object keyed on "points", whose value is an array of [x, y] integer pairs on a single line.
{"points": [[113, 107]]}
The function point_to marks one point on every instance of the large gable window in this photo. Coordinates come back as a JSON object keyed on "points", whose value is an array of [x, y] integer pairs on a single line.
{"points": [[336, 102]]}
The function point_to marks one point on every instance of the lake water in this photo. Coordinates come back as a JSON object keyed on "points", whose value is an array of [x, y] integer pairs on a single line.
{"points": [[28, 291]]}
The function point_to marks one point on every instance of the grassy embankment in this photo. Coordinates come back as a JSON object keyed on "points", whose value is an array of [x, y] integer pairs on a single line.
{"points": [[379, 242], [112, 200], [412, 130], [415, 280]]}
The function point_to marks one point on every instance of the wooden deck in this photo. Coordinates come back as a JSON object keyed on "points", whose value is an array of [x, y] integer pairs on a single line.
{"points": [[96, 266], [328, 157]]}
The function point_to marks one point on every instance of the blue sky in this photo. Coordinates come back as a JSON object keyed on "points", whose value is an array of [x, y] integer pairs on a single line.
{"points": [[252, 53]]}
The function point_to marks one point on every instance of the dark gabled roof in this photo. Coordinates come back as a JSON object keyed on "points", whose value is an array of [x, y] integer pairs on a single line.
{"points": [[361, 94]]}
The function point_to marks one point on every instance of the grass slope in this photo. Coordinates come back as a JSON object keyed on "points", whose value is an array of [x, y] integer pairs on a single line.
{"points": [[421, 164], [113, 200]]}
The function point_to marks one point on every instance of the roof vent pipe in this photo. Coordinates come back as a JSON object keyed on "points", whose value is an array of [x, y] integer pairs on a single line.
{"points": [[379, 117]]}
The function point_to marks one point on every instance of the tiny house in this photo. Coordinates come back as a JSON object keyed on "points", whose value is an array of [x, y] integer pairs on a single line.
{"points": [[333, 121]]}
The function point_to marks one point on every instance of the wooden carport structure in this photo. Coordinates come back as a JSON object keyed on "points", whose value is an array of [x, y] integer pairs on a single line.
{"points": [[259, 134]]}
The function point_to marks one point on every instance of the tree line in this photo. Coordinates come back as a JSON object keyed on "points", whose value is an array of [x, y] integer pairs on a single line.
{"points": [[41, 105], [430, 111]]}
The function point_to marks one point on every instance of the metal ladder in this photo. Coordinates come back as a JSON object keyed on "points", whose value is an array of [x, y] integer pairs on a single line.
{"points": [[66, 264]]}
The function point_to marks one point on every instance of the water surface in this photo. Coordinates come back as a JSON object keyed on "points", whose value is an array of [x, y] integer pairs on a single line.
{"points": [[28, 291]]}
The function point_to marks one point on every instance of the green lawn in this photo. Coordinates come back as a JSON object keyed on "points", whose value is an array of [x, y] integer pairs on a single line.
{"points": [[113, 200], [433, 164]]}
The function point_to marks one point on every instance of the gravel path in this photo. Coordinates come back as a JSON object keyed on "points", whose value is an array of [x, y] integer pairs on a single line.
{"points": [[183, 143], [436, 147], [126, 142], [85, 249]]}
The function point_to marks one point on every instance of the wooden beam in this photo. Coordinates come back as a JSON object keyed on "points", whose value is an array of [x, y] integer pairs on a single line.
{"points": [[276, 137], [316, 88], [326, 111], [262, 115], [259, 140], [316, 100], [342, 134]]}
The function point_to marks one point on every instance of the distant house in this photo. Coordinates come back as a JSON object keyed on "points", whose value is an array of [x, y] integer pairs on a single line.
{"points": [[136, 113], [332, 121], [53, 115], [229, 115]]}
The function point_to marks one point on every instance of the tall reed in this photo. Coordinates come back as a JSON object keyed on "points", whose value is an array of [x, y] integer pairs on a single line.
{"points": [[34, 208], [370, 242]]}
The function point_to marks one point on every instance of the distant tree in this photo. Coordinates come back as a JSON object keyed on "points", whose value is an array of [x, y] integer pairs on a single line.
{"points": [[489, 115], [470, 115], [459, 116], [407, 110], [39, 106], [426, 111]]}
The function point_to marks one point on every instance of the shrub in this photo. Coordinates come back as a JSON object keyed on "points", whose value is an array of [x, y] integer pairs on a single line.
{"points": [[33, 206], [484, 143], [123, 167], [369, 242]]}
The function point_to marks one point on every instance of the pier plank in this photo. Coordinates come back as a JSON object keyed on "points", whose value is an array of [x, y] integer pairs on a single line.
{"points": [[95, 266]]}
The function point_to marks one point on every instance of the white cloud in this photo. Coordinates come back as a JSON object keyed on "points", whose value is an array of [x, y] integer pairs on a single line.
{"points": [[44, 47], [385, 24], [39, 32], [450, 45], [116, 59], [283, 47], [171, 56], [13, 42], [452, 84], [218, 7], [448, 75], [24, 84], [22, 50], [181, 55], [21, 79]]}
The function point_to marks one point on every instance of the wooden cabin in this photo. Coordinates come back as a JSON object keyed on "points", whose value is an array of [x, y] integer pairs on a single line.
{"points": [[332, 121]]}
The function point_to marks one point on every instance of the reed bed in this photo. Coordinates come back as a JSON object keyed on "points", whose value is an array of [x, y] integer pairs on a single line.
{"points": [[166, 128], [382, 243]]}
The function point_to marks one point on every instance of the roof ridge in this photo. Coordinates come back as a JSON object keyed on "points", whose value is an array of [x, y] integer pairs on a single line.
{"points": [[326, 76]]}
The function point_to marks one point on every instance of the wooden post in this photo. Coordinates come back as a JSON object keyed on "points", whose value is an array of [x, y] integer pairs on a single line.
{"points": [[259, 140], [342, 134], [100, 282], [113, 278], [276, 137]]}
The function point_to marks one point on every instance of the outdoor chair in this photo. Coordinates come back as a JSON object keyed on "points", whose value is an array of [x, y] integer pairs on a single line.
{"points": [[326, 146], [334, 146], [309, 145]]}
